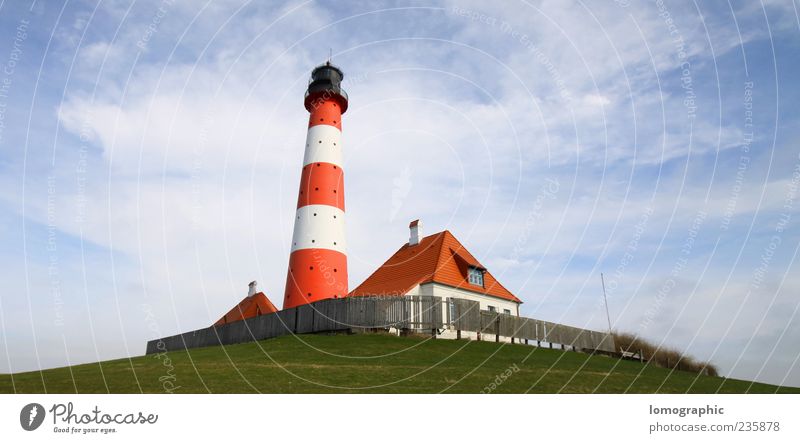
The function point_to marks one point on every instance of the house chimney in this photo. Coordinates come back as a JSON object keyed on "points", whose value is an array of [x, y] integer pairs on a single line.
{"points": [[252, 288], [416, 232]]}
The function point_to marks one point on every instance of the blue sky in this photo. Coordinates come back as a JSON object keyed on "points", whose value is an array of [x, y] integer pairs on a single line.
{"points": [[150, 153]]}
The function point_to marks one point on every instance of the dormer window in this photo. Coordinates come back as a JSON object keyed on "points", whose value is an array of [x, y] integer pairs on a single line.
{"points": [[475, 276]]}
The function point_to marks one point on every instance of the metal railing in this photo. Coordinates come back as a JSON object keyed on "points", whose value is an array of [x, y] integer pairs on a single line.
{"points": [[419, 313]]}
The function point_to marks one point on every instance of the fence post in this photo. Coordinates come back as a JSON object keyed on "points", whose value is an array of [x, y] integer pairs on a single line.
{"points": [[404, 313], [458, 334], [497, 329]]}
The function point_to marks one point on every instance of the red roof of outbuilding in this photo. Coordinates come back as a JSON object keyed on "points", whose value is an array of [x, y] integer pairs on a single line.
{"points": [[438, 258], [249, 307]]}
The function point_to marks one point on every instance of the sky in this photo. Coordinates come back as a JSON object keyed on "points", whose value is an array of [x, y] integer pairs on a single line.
{"points": [[150, 153]]}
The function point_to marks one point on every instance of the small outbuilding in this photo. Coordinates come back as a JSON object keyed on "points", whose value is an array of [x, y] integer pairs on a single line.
{"points": [[255, 304]]}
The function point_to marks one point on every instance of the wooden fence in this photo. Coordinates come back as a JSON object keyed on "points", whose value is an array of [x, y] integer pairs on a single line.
{"points": [[426, 314]]}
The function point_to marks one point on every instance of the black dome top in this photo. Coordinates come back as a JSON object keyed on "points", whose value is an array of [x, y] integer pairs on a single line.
{"points": [[326, 82]]}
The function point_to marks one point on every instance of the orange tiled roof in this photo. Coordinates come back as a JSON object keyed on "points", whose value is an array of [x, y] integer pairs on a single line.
{"points": [[253, 306], [438, 258]]}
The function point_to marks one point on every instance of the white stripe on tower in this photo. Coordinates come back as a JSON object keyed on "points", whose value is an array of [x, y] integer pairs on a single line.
{"points": [[318, 261], [323, 144]]}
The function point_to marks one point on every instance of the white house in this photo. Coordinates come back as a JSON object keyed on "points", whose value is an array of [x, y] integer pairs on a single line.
{"points": [[438, 265]]}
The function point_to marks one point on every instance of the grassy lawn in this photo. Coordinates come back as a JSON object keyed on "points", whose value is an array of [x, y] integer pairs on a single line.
{"points": [[371, 363]]}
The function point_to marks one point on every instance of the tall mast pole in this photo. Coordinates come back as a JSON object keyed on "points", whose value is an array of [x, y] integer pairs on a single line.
{"points": [[608, 317]]}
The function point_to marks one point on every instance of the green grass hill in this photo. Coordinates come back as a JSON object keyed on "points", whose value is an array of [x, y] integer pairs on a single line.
{"points": [[372, 363]]}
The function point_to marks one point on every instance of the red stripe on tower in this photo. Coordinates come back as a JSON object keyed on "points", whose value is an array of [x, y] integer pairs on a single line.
{"points": [[318, 262]]}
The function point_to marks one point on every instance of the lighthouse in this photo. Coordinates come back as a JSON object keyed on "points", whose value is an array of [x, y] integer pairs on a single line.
{"points": [[318, 259]]}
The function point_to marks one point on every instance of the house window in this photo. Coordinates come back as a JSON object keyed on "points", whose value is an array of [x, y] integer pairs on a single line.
{"points": [[507, 311], [452, 311], [492, 309], [475, 276]]}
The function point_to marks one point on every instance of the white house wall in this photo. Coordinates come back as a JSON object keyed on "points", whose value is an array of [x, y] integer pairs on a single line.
{"points": [[444, 291]]}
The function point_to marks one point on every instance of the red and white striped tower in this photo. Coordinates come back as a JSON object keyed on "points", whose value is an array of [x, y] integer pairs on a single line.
{"points": [[318, 262]]}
